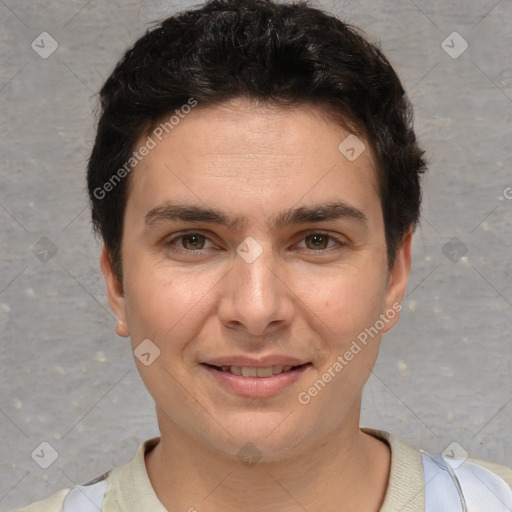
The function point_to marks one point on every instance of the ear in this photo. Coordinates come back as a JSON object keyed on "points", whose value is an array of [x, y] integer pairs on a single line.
{"points": [[114, 293], [397, 280]]}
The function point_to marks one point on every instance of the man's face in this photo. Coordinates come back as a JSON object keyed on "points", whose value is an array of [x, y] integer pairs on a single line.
{"points": [[277, 288]]}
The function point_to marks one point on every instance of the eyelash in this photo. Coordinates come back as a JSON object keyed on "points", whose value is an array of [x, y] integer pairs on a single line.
{"points": [[170, 243]]}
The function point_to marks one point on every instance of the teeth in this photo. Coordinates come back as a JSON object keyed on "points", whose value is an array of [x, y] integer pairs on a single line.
{"points": [[264, 372], [236, 370], [248, 371]]}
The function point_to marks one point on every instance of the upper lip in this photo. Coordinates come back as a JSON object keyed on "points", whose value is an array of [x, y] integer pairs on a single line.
{"points": [[263, 362]]}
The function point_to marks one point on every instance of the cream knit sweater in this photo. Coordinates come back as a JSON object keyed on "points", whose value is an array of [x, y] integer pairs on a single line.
{"points": [[129, 488]]}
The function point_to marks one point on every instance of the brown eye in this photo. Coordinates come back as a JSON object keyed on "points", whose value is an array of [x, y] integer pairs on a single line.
{"points": [[318, 241], [193, 242]]}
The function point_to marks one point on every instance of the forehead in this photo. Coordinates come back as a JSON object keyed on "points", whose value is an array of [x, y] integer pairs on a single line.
{"points": [[254, 153]]}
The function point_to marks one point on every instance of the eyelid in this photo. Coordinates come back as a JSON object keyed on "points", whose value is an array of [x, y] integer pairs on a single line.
{"points": [[340, 241], [169, 241]]}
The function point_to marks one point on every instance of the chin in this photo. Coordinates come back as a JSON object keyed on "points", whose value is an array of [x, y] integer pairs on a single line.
{"points": [[259, 435]]}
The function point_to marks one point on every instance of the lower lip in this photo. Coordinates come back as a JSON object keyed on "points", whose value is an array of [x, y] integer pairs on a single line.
{"points": [[257, 386]]}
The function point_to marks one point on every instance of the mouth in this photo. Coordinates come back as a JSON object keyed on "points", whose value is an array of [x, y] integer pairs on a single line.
{"points": [[252, 371], [255, 382]]}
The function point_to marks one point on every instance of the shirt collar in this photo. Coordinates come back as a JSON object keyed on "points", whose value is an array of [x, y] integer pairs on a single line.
{"points": [[406, 484]]}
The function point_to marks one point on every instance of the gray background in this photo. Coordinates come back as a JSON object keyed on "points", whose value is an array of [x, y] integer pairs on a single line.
{"points": [[444, 374]]}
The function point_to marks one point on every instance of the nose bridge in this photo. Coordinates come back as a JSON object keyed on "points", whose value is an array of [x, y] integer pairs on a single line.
{"points": [[255, 296], [254, 266]]}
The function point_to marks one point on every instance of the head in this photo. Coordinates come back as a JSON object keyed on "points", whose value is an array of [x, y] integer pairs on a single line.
{"points": [[230, 122]]}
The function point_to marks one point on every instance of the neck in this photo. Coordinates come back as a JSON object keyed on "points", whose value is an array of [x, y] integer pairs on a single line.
{"points": [[344, 471]]}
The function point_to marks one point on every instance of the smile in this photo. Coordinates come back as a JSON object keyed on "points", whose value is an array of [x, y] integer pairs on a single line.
{"points": [[251, 371], [250, 381]]}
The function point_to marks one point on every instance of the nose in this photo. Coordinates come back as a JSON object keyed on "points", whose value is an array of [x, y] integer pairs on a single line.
{"points": [[255, 295]]}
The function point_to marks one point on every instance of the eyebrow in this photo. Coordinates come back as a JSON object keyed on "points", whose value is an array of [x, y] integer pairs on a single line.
{"points": [[304, 214]]}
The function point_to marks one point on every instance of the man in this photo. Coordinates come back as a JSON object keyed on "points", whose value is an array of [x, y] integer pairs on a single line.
{"points": [[256, 182]]}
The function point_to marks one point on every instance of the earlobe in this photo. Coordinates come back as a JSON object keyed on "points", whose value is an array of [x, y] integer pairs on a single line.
{"points": [[398, 278], [121, 329], [115, 293]]}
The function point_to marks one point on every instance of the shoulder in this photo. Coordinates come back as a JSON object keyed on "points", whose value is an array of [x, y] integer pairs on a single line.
{"points": [[421, 481], [122, 484], [410, 457], [80, 498], [502, 471], [51, 504], [451, 481]]}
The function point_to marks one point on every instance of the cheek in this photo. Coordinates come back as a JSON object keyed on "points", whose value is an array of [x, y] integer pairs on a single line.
{"points": [[345, 300], [350, 306], [166, 310], [162, 303]]}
